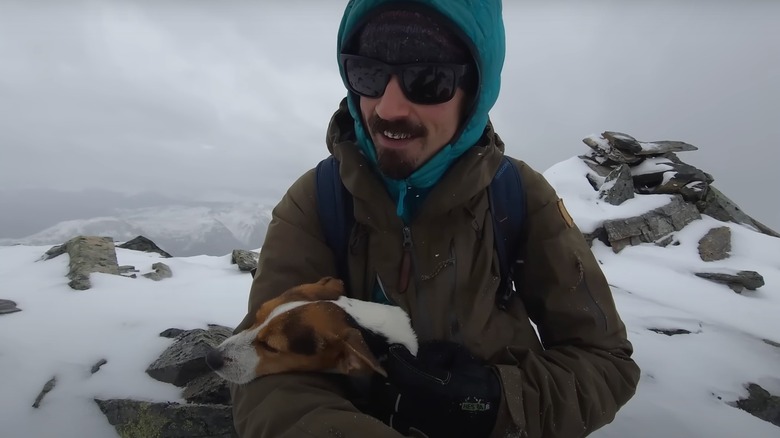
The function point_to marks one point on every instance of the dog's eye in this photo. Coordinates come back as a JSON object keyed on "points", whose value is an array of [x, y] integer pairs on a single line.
{"points": [[264, 345]]}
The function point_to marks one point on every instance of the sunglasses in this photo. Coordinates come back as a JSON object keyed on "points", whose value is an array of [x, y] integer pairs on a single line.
{"points": [[422, 83]]}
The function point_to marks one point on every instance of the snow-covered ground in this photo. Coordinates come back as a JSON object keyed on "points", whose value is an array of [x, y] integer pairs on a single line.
{"points": [[686, 379]]}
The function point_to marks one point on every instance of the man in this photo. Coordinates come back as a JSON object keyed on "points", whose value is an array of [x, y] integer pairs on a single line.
{"points": [[417, 153]]}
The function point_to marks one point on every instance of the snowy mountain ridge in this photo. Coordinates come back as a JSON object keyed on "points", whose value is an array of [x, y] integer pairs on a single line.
{"points": [[181, 230]]}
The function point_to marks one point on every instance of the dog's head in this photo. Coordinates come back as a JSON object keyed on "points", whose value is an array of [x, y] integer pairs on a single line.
{"points": [[304, 329]]}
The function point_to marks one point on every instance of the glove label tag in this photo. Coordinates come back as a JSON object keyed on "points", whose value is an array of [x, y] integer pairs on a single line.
{"points": [[474, 405]]}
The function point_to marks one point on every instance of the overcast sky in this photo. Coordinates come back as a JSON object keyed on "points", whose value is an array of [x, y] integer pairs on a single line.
{"points": [[216, 98]]}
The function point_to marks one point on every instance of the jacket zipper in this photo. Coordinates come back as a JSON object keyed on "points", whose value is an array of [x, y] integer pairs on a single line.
{"points": [[406, 261]]}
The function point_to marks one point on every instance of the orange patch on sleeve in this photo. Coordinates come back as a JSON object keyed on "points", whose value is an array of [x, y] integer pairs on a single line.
{"points": [[565, 213]]}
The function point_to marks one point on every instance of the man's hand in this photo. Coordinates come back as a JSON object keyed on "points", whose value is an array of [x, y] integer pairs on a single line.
{"points": [[443, 392]]}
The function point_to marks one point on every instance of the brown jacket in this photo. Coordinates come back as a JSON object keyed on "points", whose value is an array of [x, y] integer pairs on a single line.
{"points": [[568, 385]]}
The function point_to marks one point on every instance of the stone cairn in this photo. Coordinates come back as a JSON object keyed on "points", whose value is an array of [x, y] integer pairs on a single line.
{"points": [[624, 167]]}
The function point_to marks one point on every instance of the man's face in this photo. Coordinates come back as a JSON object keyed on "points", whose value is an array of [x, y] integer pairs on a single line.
{"points": [[406, 134]]}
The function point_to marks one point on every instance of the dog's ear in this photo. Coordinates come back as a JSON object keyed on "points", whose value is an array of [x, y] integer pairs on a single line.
{"points": [[333, 284], [356, 358]]}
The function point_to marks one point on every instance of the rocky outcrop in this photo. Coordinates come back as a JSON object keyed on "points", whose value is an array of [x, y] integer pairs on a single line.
{"points": [[246, 260], [141, 243], [140, 419], [760, 403], [624, 167], [161, 271], [207, 412], [652, 226], [88, 254], [184, 361]]}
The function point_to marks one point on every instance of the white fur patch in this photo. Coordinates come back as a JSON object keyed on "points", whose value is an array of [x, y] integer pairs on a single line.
{"points": [[390, 321]]}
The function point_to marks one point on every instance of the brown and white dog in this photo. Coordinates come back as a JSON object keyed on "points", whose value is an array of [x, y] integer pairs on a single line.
{"points": [[313, 327]]}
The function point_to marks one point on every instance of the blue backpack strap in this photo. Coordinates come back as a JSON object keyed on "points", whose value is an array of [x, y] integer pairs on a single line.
{"points": [[334, 206], [508, 208]]}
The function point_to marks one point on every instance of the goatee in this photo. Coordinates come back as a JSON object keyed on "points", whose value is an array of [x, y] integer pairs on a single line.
{"points": [[393, 163]]}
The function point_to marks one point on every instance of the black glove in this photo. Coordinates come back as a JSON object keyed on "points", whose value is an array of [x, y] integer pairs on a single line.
{"points": [[443, 392]]}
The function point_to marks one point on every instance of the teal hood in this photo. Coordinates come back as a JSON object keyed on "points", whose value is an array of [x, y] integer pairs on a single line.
{"points": [[481, 24]]}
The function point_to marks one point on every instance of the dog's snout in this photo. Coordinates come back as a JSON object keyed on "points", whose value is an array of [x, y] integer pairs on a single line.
{"points": [[214, 359]]}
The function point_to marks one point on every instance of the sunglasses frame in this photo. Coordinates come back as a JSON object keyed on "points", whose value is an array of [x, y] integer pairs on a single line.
{"points": [[459, 70]]}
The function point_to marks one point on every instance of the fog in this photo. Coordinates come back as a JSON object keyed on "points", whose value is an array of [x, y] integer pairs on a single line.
{"points": [[230, 100]]}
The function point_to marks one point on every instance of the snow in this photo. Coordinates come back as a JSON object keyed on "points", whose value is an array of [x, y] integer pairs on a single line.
{"points": [[583, 203], [686, 379]]}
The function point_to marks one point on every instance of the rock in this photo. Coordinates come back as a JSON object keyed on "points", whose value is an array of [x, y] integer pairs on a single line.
{"points": [[209, 389], [220, 331], [95, 368], [90, 254], [719, 206], [682, 179], [47, 387], [670, 332], [772, 343], [602, 147], [651, 226], [618, 187], [246, 260], [625, 149], [760, 403], [185, 360], [138, 419], [750, 280], [8, 306], [161, 272], [141, 243], [54, 251], [171, 333], [715, 245]]}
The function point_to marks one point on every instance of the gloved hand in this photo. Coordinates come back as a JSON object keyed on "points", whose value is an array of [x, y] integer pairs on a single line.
{"points": [[443, 392]]}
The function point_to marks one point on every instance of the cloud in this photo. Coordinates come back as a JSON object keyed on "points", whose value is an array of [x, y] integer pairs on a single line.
{"points": [[235, 97]]}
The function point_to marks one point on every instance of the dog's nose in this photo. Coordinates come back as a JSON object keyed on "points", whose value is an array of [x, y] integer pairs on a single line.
{"points": [[214, 359]]}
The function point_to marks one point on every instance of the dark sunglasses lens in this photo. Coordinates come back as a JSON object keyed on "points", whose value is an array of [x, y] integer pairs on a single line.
{"points": [[429, 84], [365, 77]]}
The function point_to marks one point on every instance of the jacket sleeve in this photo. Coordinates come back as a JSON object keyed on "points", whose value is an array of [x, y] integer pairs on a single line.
{"points": [[305, 404], [585, 372]]}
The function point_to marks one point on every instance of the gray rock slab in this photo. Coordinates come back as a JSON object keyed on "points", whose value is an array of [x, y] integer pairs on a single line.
{"points": [[185, 360], [141, 243], [721, 207], [715, 245], [90, 254], [209, 388], [750, 280], [8, 306], [652, 226], [47, 387], [139, 419], [246, 260], [618, 187], [760, 403]]}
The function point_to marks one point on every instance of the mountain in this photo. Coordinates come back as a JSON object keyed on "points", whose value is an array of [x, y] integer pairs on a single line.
{"points": [[695, 280], [182, 230]]}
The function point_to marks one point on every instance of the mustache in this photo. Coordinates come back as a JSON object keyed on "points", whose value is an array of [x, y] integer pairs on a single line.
{"points": [[378, 125]]}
